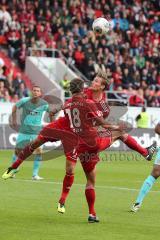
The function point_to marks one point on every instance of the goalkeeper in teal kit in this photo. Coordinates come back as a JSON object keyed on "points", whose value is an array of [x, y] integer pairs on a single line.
{"points": [[33, 109]]}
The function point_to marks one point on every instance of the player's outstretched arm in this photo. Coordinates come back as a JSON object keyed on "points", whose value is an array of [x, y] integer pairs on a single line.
{"points": [[101, 122], [51, 116]]}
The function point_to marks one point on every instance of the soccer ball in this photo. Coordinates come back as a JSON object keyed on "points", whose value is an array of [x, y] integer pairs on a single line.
{"points": [[101, 26]]}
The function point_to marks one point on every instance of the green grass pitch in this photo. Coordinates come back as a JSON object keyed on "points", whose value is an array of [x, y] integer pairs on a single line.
{"points": [[28, 210]]}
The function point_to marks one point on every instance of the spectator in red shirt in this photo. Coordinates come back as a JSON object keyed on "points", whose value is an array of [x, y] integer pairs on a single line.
{"points": [[137, 99], [79, 57], [117, 77], [98, 11]]}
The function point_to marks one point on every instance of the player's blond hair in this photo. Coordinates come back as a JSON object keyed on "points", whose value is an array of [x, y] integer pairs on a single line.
{"points": [[103, 74]]}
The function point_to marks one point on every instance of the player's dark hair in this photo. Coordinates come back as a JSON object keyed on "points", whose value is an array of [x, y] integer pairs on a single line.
{"points": [[76, 85]]}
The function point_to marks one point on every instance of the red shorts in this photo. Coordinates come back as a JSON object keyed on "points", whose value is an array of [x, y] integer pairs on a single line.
{"points": [[89, 156]]}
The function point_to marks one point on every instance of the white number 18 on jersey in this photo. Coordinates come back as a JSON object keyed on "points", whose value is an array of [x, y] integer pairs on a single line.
{"points": [[74, 117]]}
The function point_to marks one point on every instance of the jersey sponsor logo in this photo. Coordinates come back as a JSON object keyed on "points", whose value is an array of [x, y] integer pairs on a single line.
{"points": [[33, 113]]}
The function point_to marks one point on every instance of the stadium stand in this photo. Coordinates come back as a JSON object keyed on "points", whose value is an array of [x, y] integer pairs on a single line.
{"points": [[14, 84], [130, 53]]}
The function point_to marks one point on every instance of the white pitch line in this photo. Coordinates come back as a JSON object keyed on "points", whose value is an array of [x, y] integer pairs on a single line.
{"points": [[82, 185]]}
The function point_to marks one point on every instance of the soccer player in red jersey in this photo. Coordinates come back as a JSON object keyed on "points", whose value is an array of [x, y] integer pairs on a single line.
{"points": [[81, 114], [97, 94], [88, 156]]}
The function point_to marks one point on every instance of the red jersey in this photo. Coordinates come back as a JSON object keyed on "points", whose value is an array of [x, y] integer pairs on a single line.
{"points": [[101, 105], [80, 113]]}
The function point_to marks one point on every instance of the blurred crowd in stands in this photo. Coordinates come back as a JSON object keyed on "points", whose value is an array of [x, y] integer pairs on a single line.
{"points": [[130, 53], [12, 86]]}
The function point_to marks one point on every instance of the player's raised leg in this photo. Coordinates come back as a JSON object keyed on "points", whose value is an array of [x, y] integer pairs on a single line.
{"points": [[25, 153], [48, 133], [14, 157], [134, 145], [21, 141]]}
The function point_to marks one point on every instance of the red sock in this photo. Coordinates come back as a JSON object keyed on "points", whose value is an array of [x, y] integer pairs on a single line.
{"points": [[67, 184], [133, 144], [25, 153], [90, 196]]}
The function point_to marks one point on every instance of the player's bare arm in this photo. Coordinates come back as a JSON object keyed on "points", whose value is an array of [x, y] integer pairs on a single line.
{"points": [[13, 119]]}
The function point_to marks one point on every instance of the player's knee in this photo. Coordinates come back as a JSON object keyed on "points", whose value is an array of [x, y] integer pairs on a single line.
{"points": [[70, 168], [156, 171], [157, 129], [70, 173], [38, 151], [90, 184], [91, 179], [123, 137], [36, 143]]}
